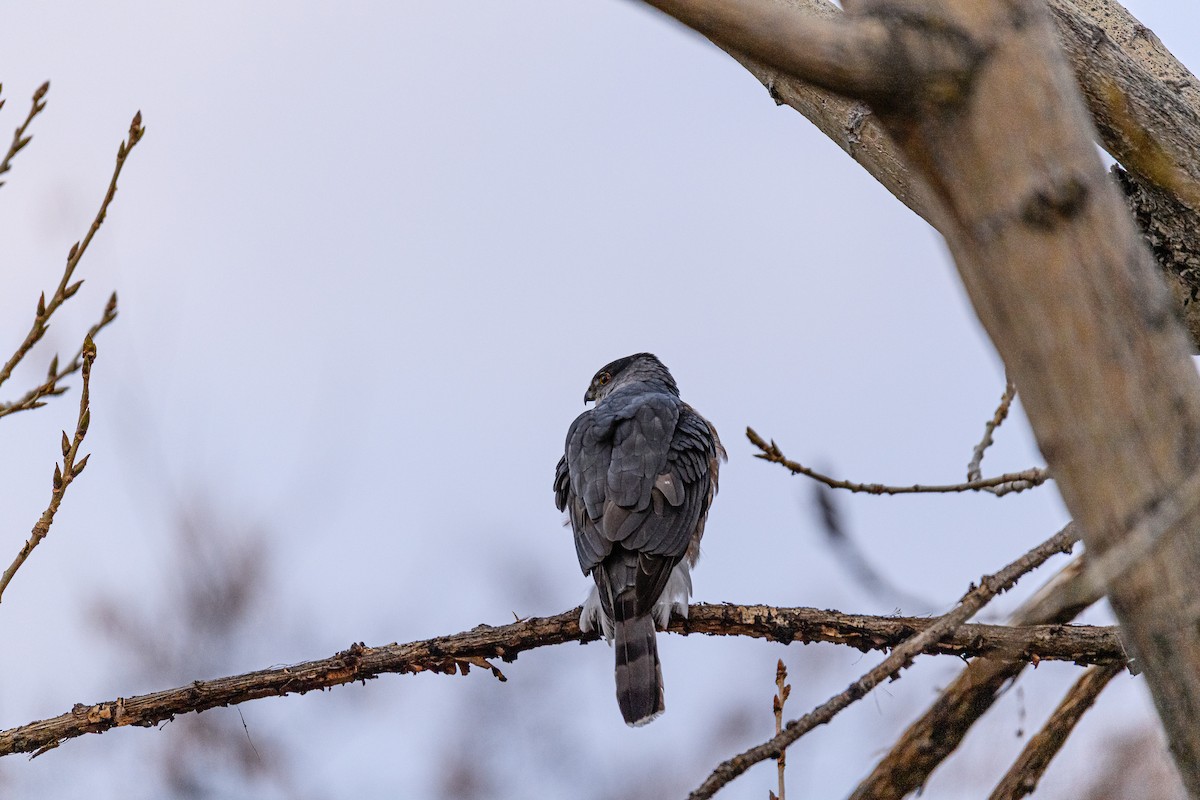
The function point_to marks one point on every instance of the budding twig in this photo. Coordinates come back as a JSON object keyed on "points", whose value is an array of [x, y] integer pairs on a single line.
{"points": [[66, 289], [20, 137], [72, 467], [782, 690]]}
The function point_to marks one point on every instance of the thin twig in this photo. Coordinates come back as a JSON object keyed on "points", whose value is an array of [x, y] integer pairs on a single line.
{"points": [[974, 468], [479, 646], [782, 690], [20, 138], [771, 452], [900, 658], [66, 289], [72, 467], [1023, 776], [54, 376], [975, 465]]}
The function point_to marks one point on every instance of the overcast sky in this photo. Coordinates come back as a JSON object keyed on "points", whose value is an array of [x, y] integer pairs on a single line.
{"points": [[368, 259]]}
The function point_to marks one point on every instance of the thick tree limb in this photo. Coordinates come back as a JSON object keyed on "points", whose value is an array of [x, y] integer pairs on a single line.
{"points": [[1172, 232], [900, 658], [1059, 279], [929, 740], [879, 58], [1095, 33], [457, 653], [1022, 778], [1146, 120]]}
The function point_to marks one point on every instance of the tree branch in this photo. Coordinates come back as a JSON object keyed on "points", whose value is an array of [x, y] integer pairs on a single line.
{"points": [[55, 376], [20, 137], [851, 55], [1023, 776], [458, 652], [1056, 273], [975, 466], [1011, 481], [1146, 110], [900, 658], [72, 468], [1148, 71], [66, 289], [931, 739]]}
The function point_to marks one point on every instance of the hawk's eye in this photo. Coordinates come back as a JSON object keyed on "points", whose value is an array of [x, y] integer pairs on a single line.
{"points": [[603, 378]]}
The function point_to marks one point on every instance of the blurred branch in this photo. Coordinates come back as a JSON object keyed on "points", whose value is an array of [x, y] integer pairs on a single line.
{"points": [[1023, 776], [855, 561], [20, 138], [70, 470], [782, 690], [66, 289], [854, 55], [50, 387], [901, 657], [931, 739], [458, 652], [771, 452]]}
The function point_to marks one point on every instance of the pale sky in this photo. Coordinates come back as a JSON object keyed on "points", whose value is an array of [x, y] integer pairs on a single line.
{"points": [[368, 257]]}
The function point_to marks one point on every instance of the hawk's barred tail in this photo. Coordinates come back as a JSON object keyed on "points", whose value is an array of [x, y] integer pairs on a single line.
{"points": [[639, 674]]}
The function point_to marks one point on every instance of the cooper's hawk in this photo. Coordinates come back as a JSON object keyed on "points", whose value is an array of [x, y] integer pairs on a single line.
{"points": [[637, 479]]}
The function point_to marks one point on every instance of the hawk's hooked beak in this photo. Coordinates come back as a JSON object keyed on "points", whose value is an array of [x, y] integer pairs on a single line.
{"points": [[589, 395]]}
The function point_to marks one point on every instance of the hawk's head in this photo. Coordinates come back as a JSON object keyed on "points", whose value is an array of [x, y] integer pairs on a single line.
{"points": [[644, 368]]}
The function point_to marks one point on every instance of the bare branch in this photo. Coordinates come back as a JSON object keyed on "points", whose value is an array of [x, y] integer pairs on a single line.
{"points": [[856, 56], [1024, 479], [974, 468], [483, 644], [1171, 230], [929, 740], [1146, 107], [72, 467], [20, 137], [66, 289], [50, 387], [782, 690], [1023, 776], [900, 658], [1149, 71]]}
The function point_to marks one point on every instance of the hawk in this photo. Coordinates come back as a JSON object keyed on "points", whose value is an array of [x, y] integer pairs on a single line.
{"points": [[637, 479]]}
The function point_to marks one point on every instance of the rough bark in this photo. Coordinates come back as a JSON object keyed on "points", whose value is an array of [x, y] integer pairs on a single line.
{"points": [[1059, 279], [459, 652], [1023, 777], [1130, 80], [1065, 288], [938, 732]]}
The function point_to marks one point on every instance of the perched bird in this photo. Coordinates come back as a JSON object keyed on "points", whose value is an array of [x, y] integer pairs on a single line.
{"points": [[637, 479]]}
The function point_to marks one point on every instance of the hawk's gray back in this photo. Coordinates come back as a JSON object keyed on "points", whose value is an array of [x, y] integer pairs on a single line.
{"points": [[637, 478]]}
